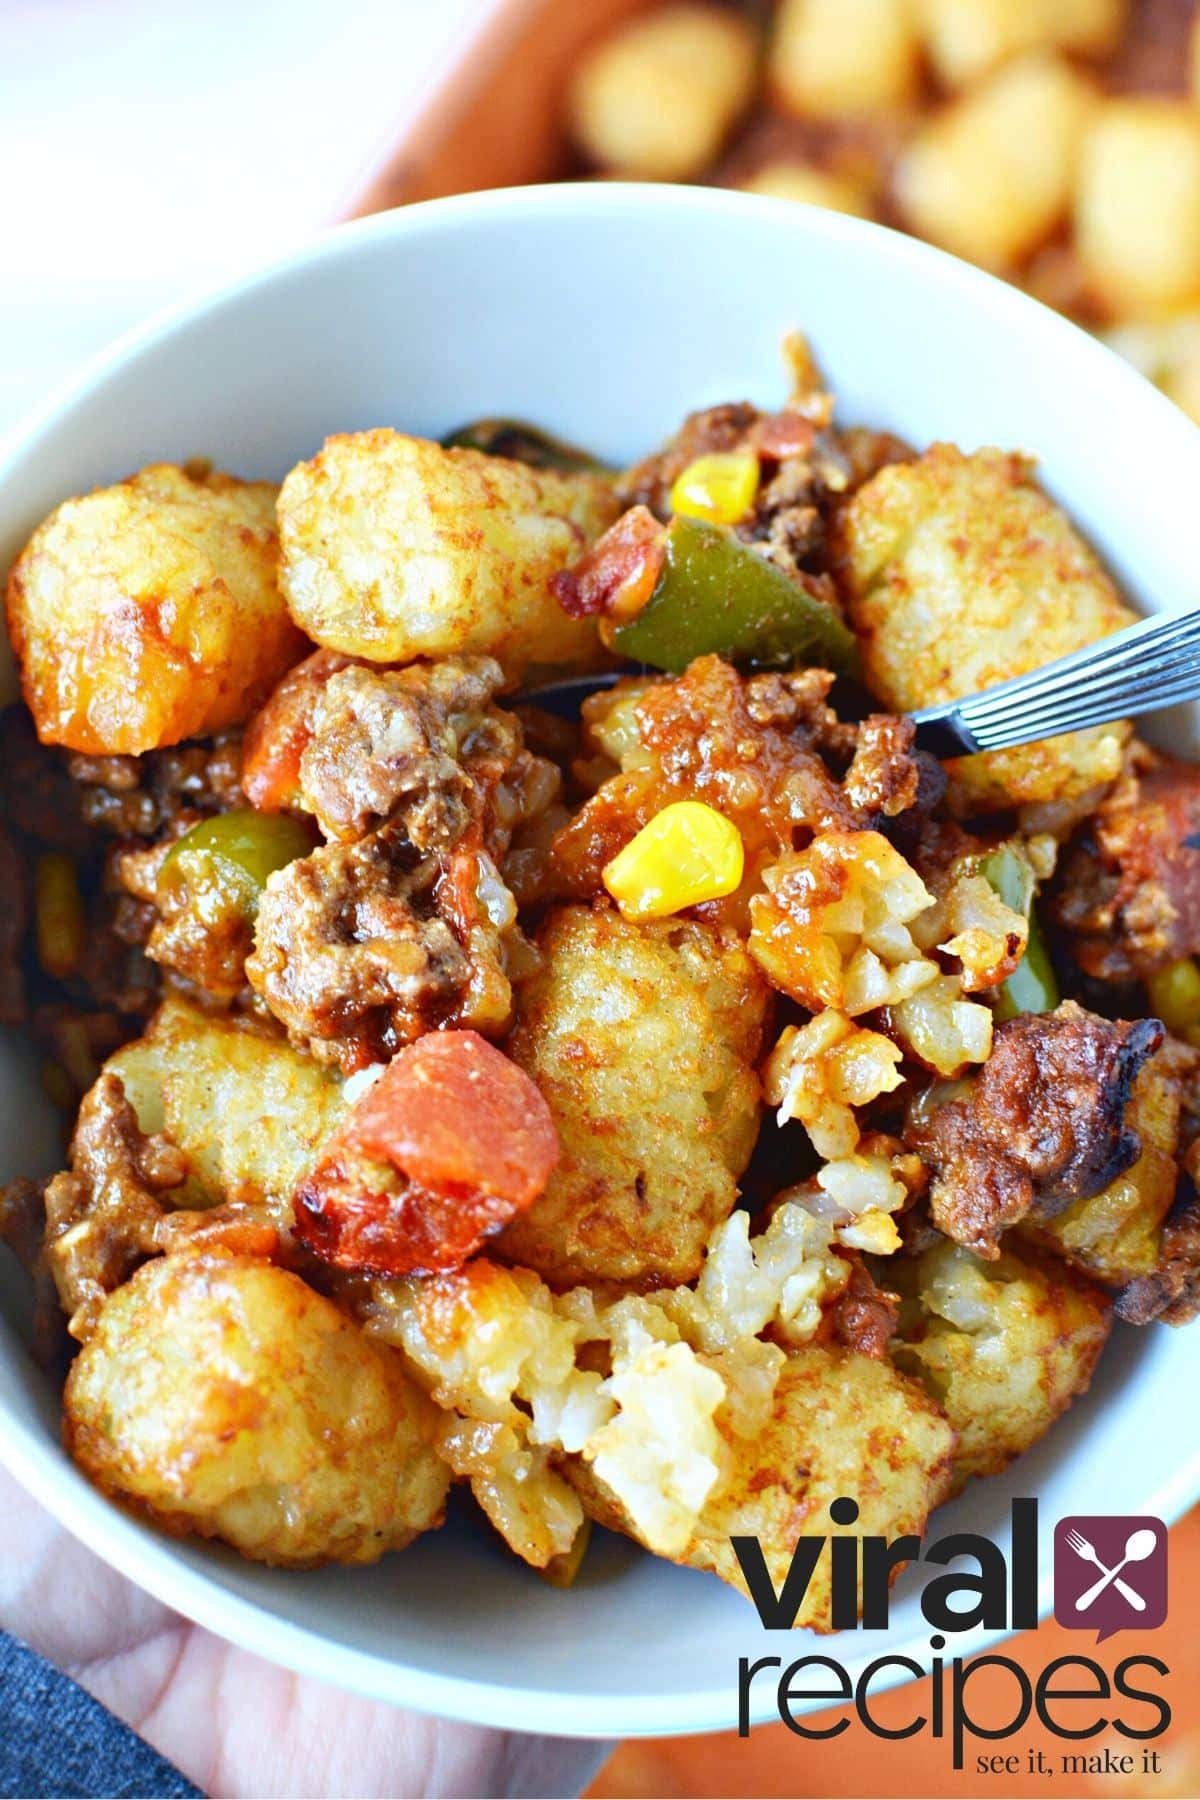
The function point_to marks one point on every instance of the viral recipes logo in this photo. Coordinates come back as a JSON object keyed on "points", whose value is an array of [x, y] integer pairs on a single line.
{"points": [[1110, 1575]]}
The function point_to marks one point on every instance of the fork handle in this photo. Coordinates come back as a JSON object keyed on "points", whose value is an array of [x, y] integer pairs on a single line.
{"points": [[1149, 665]]}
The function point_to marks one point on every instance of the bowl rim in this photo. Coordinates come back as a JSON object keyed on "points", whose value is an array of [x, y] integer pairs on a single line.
{"points": [[143, 1555], [572, 197]]}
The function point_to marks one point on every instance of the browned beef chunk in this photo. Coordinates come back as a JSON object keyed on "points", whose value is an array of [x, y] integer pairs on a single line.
{"points": [[864, 1315], [887, 776], [1129, 893], [388, 742], [362, 947], [143, 796], [103, 1217], [1042, 1124], [1171, 1292]]}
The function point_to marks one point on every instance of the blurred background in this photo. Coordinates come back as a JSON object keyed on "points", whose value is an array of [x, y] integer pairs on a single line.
{"points": [[151, 148]]}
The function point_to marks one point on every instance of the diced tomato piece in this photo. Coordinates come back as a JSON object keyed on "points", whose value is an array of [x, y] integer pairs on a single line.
{"points": [[783, 434], [354, 1217], [452, 1111], [278, 733], [471, 1139], [617, 575]]}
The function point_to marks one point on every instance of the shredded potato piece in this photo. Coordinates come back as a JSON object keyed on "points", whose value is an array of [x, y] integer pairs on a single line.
{"points": [[497, 1349], [832, 928], [818, 1072]]}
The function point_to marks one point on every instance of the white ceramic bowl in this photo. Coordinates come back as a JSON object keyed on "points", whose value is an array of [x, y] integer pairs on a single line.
{"points": [[604, 313]]}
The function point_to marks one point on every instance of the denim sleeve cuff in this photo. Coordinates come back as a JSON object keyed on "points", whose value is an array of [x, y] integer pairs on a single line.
{"points": [[56, 1740]]}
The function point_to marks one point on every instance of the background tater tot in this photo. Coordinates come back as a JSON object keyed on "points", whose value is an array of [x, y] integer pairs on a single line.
{"points": [[394, 548], [967, 38], [1182, 382], [991, 176], [1137, 207], [224, 1397], [1089, 27], [1167, 351], [843, 58], [149, 612], [658, 98], [811, 186]]}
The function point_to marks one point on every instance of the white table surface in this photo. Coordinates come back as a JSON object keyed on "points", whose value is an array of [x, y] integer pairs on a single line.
{"points": [[149, 148]]}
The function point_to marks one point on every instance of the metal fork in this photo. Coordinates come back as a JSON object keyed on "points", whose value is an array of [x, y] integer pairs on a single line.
{"points": [[1084, 1548], [1144, 668]]}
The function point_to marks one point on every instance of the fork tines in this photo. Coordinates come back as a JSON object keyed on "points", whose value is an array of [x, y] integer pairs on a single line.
{"points": [[1153, 664]]}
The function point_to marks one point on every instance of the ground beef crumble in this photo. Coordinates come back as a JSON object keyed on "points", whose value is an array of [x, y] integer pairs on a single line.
{"points": [[1171, 1292], [864, 1315], [103, 1216], [1128, 895], [356, 951], [1041, 1125], [768, 751], [392, 744], [143, 796]]}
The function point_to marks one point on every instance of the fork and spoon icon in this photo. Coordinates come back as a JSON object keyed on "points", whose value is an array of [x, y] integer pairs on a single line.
{"points": [[1138, 1546]]}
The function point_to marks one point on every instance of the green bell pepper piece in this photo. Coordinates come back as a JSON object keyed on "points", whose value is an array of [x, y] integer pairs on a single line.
{"points": [[227, 858], [523, 443], [717, 596], [1032, 987]]}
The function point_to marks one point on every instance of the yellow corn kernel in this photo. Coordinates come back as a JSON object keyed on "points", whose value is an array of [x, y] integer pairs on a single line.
{"points": [[720, 487], [688, 853], [875, 1232], [58, 915], [1175, 995]]}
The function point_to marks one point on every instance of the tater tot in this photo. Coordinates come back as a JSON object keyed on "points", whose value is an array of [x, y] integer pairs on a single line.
{"points": [[1004, 1346], [394, 548], [1137, 206], [149, 612], [967, 38], [658, 98], [1088, 27], [223, 1396], [961, 572], [991, 176], [811, 186], [642, 1040], [1167, 351], [839, 1423], [843, 58], [250, 1113]]}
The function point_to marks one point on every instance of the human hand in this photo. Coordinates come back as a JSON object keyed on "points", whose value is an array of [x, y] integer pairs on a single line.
{"points": [[234, 1724]]}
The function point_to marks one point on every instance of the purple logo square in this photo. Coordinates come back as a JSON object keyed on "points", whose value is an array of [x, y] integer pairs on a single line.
{"points": [[1110, 1574]]}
